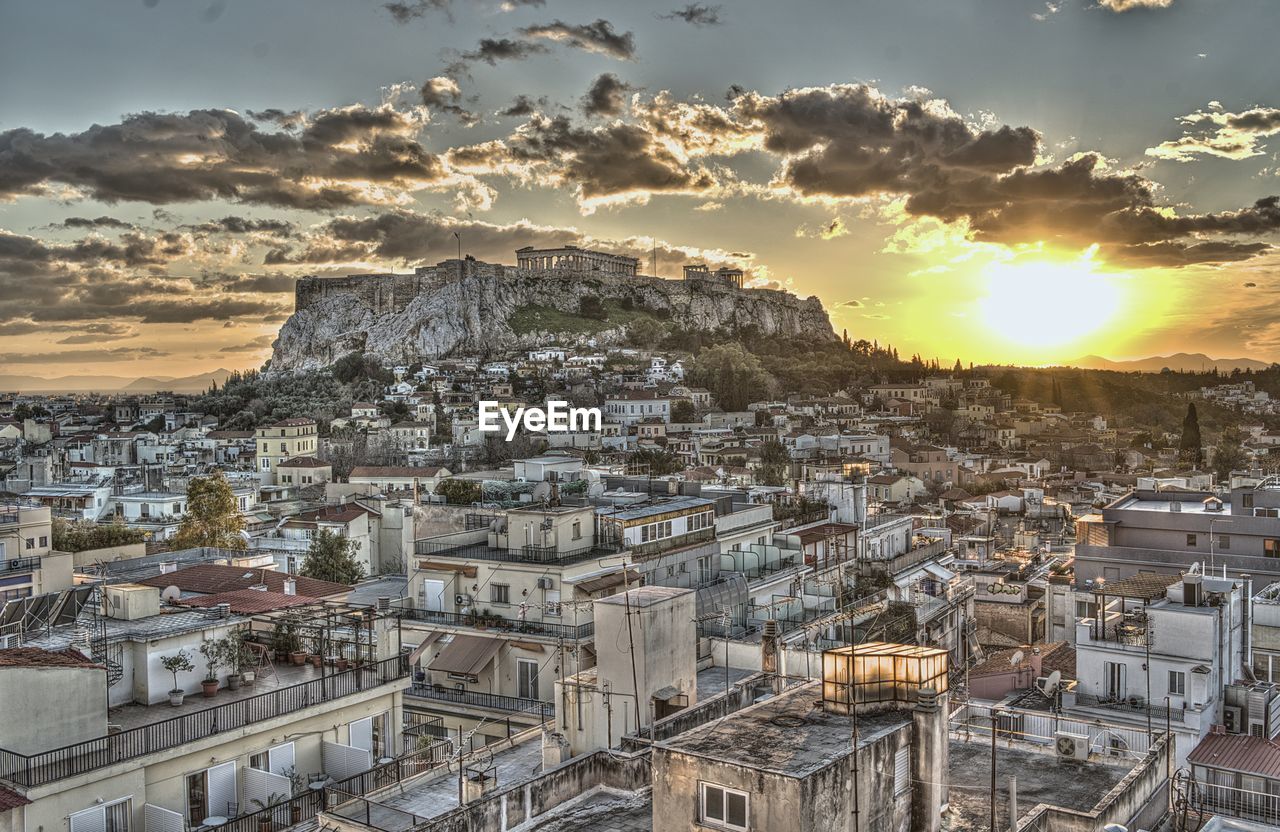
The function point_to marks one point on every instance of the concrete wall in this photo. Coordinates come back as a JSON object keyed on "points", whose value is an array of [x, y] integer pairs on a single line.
{"points": [[91, 556], [74, 694]]}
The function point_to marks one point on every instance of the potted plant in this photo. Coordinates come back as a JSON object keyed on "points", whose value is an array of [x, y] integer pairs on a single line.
{"points": [[264, 821], [213, 652], [179, 662], [287, 644]]}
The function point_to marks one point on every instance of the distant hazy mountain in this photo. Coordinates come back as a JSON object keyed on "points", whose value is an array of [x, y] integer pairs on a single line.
{"points": [[1190, 362], [112, 384]]}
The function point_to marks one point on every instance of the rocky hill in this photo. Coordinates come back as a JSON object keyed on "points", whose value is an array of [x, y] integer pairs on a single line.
{"points": [[481, 308]]}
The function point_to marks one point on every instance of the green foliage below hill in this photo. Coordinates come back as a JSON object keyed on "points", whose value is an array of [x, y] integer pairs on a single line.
{"points": [[593, 316]]}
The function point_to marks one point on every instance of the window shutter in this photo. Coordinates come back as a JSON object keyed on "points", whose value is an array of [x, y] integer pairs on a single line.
{"points": [[280, 759], [160, 819], [90, 820], [361, 734], [901, 771], [222, 788]]}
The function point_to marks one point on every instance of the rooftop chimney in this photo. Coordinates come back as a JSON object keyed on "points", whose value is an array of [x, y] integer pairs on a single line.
{"points": [[290, 586]]}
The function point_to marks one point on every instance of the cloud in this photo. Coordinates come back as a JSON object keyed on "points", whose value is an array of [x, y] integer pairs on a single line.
{"points": [[607, 96], [243, 225], [259, 283], [83, 356], [598, 37], [1217, 133], [696, 14], [522, 105], [830, 230], [407, 11], [1120, 6], [97, 222], [1050, 9], [340, 157], [853, 304], [1250, 285], [259, 344], [493, 50], [443, 94]]}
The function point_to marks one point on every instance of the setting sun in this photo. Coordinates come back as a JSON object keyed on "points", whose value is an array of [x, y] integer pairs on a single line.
{"points": [[1044, 304]]}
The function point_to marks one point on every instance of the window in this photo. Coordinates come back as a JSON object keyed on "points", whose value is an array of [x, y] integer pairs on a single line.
{"points": [[577, 529], [499, 593], [1191, 540], [1271, 547], [552, 600], [902, 771], [1224, 541], [526, 679], [1177, 683], [723, 807], [1113, 679], [1246, 500], [31, 543]]}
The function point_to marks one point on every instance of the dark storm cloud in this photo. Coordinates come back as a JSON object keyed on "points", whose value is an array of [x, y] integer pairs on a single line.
{"points": [[96, 222], [442, 94], [259, 283], [607, 96], [696, 14], [243, 225], [598, 37], [406, 12], [133, 249], [216, 154], [492, 50], [522, 105], [287, 119]]}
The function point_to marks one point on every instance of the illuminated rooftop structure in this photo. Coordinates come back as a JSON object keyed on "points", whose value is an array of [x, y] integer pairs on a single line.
{"points": [[878, 672]]}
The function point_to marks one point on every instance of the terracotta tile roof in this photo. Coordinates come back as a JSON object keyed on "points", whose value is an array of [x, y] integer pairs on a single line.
{"points": [[38, 657], [1058, 655], [11, 800], [210, 579], [248, 601], [1238, 752], [344, 513], [1146, 585], [302, 462]]}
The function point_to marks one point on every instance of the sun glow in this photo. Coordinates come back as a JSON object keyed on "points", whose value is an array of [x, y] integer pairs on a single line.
{"points": [[1044, 305]]}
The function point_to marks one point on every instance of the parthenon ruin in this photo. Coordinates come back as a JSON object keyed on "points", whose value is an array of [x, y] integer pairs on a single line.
{"points": [[572, 258]]}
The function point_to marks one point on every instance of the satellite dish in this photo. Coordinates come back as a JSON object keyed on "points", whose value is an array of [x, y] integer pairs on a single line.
{"points": [[542, 492], [1016, 658], [170, 593], [1055, 679], [595, 490]]}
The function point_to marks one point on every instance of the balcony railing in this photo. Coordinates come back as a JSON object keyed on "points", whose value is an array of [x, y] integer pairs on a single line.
{"points": [[478, 699], [19, 565], [90, 755], [549, 628], [1234, 802], [525, 554]]}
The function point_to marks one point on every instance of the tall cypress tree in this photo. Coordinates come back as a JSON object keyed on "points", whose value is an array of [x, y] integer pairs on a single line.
{"points": [[1190, 444]]}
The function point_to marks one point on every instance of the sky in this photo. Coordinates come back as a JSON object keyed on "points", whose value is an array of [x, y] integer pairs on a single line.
{"points": [[989, 180]]}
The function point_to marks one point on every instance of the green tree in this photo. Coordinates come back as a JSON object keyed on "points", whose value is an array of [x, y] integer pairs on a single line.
{"points": [[734, 376], [458, 492], [213, 518], [332, 557], [775, 463], [659, 462], [645, 332], [1229, 453], [80, 537], [1190, 446], [682, 410]]}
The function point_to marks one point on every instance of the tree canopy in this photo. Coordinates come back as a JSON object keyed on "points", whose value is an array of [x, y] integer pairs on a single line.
{"points": [[332, 557], [734, 376], [213, 518]]}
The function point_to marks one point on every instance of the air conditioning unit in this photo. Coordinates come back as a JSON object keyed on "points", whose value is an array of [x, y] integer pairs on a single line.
{"points": [[1233, 719], [462, 599], [544, 583], [1071, 746]]}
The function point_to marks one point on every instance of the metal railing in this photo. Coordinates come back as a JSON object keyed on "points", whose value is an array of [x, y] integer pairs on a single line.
{"points": [[17, 565], [525, 554], [478, 699], [1235, 802], [82, 757], [1133, 705], [308, 803], [549, 628]]}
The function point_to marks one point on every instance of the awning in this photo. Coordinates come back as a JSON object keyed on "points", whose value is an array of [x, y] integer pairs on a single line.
{"points": [[667, 693], [427, 641], [939, 572], [437, 566], [602, 582], [466, 655]]}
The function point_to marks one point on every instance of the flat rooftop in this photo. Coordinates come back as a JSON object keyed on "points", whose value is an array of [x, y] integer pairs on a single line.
{"points": [[1188, 503], [788, 734], [600, 808], [1042, 776]]}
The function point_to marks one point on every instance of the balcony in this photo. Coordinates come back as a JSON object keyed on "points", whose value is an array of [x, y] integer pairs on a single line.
{"points": [[18, 566], [479, 699], [153, 736], [545, 628], [524, 554]]}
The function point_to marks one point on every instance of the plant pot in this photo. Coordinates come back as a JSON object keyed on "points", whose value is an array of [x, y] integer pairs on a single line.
{"points": [[282, 655], [175, 697], [209, 687], [248, 677], [298, 658], [343, 664], [233, 681], [264, 825], [295, 813], [317, 661]]}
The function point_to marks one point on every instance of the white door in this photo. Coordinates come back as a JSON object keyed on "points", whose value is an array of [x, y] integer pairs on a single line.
{"points": [[433, 595], [222, 791], [527, 679]]}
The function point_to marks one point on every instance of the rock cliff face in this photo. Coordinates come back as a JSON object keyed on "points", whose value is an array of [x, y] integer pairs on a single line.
{"points": [[461, 309]]}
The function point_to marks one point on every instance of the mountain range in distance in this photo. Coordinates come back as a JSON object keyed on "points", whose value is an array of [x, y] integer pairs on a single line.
{"points": [[1181, 361], [113, 384]]}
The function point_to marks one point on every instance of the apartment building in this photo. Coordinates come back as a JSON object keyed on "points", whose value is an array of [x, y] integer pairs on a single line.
{"points": [[281, 441], [28, 563]]}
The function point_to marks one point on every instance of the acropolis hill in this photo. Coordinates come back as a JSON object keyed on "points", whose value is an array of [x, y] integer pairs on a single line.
{"points": [[470, 307]]}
